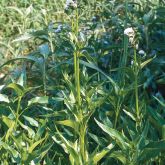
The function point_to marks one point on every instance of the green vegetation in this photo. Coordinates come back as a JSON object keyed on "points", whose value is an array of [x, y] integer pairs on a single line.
{"points": [[82, 83]]}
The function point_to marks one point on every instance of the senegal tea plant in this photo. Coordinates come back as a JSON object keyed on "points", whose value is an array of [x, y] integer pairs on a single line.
{"points": [[82, 82]]}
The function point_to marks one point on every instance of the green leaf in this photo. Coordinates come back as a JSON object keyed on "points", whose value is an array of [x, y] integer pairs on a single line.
{"points": [[39, 100], [93, 66], [132, 116], [163, 132], [17, 10], [121, 140], [156, 116], [143, 136], [151, 150], [17, 88], [119, 156], [34, 145], [10, 124], [143, 64], [160, 102], [97, 139], [30, 131], [70, 148], [7, 121], [102, 154], [4, 98], [31, 121], [22, 38], [69, 123], [29, 58], [29, 10], [12, 151]]}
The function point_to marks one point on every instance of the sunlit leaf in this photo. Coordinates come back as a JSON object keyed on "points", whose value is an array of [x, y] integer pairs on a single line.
{"points": [[4, 98], [39, 100], [114, 134], [102, 153], [32, 121]]}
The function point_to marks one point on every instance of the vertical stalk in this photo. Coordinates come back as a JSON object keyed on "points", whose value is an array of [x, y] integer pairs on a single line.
{"points": [[123, 58], [118, 106], [116, 117], [136, 85], [76, 65], [82, 128], [44, 75], [77, 81], [17, 112], [146, 36], [123, 61], [51, 46], [82, 141]]}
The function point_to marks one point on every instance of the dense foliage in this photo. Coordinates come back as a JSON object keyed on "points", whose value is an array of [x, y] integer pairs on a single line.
{"points": [[82, 83]]}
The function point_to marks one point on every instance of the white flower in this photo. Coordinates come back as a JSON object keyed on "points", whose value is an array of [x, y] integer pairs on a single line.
{"points": [[131, 34], [141, 52], [70, 3]]}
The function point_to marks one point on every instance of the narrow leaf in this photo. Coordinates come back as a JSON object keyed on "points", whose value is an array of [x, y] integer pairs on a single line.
{"points": [[31, 121], [117, 136], [102, 154]]}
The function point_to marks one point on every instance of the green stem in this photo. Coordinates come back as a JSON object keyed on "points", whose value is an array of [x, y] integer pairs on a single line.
{"points": [[136, 84], [76, 65], [82, 128], [82, 142], [17, 112], [125, 55], [44, 76], [51, 46], [123, 61], [146, 36], [117, 112]]}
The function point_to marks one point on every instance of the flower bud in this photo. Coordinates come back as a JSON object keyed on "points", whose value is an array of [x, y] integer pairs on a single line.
{"points": [[131, 34]]}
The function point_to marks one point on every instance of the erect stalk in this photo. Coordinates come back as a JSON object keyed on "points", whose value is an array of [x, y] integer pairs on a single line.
{"points": [[82, 125], [44, 76], [82, 141], [118, 107], [51, 46], [77, 61], [18, 109], [123, 61], [136, 85]]}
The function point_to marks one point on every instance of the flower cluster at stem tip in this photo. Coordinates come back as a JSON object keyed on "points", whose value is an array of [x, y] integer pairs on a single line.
{"points": [[131, 34], [70, 4]]}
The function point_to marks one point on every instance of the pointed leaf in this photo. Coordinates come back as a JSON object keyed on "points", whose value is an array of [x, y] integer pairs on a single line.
{"points": [[102, 154], [34, 145], [39, 100], [30, 131], [142, 65], [4, 98], [31, 121], [121, 140], [17, 88], [119, 156], [69, 123], [152, 150]]}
